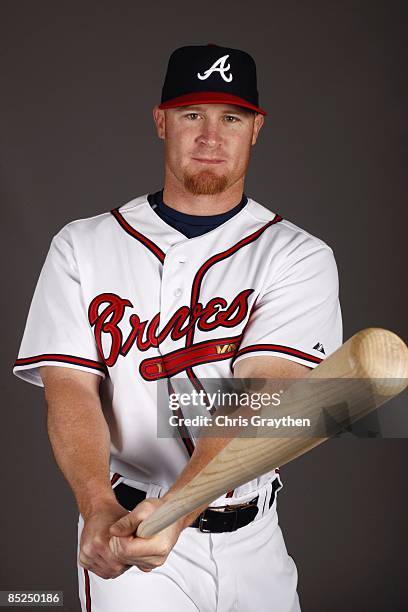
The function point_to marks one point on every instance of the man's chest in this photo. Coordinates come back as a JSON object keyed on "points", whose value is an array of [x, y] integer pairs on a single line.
{"points": [[190, 302]]}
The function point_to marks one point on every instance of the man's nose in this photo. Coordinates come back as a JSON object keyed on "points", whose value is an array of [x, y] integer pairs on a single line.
{"points": [[210, 134]]}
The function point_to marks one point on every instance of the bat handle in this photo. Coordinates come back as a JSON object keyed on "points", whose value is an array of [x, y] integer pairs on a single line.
{"points": [[161, 518]]}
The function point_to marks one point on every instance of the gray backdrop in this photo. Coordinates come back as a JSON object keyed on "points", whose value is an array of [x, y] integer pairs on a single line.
{"points": [[78, 84]]}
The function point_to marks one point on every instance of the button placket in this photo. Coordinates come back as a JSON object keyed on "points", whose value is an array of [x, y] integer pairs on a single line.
{"points": [[172, 285]]}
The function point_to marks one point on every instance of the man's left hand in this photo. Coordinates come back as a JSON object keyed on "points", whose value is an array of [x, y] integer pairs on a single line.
{"points": [[145, 553]]}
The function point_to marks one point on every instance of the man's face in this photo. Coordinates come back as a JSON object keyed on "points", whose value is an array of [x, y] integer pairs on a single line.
{"points": [[207, 146]]}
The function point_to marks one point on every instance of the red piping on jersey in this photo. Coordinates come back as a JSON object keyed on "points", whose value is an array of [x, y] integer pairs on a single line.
{"points": [[87, 591], [243, 333], [182, 429], [278, 348], [115, 478], [183, 433], [89, 363], [199, 387], [143, 239], [195, 291], [208, 351]]}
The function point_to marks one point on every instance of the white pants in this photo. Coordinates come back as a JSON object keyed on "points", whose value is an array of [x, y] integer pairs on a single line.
{"points": [[248, 570]]}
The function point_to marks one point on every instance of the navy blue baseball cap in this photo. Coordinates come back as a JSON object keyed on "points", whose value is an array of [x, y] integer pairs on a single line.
{"points": [[210, 74]]}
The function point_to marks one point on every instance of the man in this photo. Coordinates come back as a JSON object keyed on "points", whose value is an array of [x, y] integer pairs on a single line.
{"points": [[195, 281]]}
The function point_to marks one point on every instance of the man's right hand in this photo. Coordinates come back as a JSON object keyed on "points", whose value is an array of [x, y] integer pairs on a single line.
{"points": [[94, 553]]}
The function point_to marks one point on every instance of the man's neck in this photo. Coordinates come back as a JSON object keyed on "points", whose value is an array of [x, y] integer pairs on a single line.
{"points": [[177, 197]]}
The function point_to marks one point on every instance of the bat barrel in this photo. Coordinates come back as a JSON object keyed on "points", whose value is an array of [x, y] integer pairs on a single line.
{"points": [[383, 357], [373, 353]]}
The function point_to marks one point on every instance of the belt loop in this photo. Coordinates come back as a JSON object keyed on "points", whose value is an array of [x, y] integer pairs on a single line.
{"points": [[262, 499], [154, 490]]}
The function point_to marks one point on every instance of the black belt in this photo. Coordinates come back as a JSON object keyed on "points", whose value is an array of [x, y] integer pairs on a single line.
{"points": [[230, 518]]}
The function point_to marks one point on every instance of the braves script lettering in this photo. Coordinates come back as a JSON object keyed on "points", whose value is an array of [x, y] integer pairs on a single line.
{"points": [[107, 310]]}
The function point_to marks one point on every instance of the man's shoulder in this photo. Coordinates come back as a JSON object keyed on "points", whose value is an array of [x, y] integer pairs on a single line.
{"points": [[285, 233], [97, 225]]}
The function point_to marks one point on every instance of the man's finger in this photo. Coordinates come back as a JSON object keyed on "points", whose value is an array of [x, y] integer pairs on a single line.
{"points": [[131, 550], [128, 524], [117, 548], [124, 526]]}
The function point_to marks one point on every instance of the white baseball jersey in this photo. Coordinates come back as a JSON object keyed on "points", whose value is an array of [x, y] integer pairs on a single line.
{"points": [[127, 297]]}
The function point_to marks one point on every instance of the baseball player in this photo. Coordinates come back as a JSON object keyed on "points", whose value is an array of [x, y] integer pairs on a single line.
{"points": [[197, 280]]}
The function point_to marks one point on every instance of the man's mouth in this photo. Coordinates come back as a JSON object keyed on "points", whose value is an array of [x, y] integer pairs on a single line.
{"points": [[205, 160]]}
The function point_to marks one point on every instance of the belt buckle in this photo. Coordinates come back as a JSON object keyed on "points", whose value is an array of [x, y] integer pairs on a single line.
{"points": [[203, 520], [225, 510]]}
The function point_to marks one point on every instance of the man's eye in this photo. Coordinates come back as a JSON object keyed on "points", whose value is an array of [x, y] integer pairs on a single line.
{"points": [[231, 119], [192, 116]]}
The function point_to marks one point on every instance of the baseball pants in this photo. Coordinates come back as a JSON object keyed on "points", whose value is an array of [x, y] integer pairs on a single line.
{"points": [[248, 570]]}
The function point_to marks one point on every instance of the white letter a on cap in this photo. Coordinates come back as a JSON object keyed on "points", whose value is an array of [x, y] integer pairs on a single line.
{"points": [[218, 66]]}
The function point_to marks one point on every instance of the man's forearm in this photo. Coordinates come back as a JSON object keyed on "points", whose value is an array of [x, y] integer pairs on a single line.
{"points": [[80, 440], [280, 373], [206, 449]]}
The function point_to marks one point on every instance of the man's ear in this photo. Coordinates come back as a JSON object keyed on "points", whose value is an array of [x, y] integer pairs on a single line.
{"points": [[258, 123], [160, 121]]}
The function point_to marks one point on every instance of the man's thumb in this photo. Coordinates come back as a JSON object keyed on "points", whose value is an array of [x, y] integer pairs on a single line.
{"points": [[123, 526]]}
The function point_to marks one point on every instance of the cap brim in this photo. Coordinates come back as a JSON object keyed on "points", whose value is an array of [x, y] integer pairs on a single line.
{"points": [[210, 97]]}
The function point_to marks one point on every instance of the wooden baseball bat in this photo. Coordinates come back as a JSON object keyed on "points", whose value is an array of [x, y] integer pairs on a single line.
{"points": [[364, 373]]}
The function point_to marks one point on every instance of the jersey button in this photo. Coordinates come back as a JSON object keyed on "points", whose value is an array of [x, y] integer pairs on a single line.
{"points": [[182, 260], [178, 292]]}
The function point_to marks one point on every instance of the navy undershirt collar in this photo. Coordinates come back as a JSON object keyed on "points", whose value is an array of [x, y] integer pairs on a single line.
{"points": [[191, 225]]}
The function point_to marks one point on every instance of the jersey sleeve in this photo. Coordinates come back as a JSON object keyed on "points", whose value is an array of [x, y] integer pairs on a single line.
{"points": [[57, 331], [297, 316]]}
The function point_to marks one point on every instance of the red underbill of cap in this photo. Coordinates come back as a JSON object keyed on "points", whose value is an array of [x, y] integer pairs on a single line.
{"points": [[210, 97]]}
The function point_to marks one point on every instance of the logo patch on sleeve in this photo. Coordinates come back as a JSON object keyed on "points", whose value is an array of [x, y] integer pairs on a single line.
{"points": [[319, 347]]}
